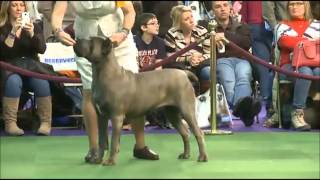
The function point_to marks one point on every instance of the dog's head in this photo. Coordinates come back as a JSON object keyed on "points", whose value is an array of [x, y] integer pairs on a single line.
{"points": [[94, 49]]}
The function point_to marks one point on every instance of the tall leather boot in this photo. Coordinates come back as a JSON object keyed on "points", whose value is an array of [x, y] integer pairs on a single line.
{"points": [[10, 108], [44, 110]]}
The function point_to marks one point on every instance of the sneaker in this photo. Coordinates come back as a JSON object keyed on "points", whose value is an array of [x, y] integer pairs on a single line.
{"points": [[272, 122], [145, 153], [297, 118]]}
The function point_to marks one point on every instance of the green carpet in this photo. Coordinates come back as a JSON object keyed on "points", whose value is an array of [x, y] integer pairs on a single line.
{"points": [[241, 155]]}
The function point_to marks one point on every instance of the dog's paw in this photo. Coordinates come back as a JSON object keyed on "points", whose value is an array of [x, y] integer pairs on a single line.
{"points": [[93, 157], [184, 156], [203, 158], [109, 162]]}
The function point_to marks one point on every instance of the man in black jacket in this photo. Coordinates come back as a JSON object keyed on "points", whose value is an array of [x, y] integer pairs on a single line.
{"points": [[233, 70]]}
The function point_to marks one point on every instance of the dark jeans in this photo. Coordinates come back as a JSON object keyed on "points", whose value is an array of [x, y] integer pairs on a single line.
{"points": [[261, 48]]}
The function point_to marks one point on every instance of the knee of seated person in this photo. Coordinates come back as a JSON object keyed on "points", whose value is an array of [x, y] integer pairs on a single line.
{"points": [[205, 73], [41, 87], [244, 70], [14, 80], [13, 86], [305, 70]]}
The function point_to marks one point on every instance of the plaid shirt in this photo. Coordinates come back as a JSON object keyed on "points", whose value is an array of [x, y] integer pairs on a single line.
{"points": [[175, 41]]}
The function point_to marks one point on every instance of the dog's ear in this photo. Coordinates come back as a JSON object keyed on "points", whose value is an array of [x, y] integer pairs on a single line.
{"points": [[106, 46]]}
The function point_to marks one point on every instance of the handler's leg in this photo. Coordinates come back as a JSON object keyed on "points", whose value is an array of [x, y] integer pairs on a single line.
{"points": [[88, 110], [140, 150], [90, 119]]}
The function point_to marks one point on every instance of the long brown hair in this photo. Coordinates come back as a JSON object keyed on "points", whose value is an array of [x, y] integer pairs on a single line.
{"points": [[4, 11]]}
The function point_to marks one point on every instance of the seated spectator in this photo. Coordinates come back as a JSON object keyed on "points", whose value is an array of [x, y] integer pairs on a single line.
{"points": [[19, 43], [300, 26], [151, 48], [233, 71], [161, 9], [261, 40], [183, 32]]}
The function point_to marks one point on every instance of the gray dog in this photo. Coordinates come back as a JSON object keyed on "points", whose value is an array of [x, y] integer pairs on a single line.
{"points": [[119, 94]]}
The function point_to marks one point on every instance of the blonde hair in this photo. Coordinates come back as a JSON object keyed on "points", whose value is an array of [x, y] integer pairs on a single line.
{"points": [[307, 11], [176, 13], [4, 12]]}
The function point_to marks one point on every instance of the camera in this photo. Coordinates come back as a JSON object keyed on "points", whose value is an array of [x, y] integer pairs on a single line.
{"points": [[25, 18]]}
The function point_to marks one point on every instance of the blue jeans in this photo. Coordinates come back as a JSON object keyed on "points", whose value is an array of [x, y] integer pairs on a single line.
{"points": [[75, 94], [235, 76], [261, 47], [301, 86], [15, 83], [205, 73]]}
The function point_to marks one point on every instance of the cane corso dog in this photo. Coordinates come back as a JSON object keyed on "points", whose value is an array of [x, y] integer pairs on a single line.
{"points": [[118, 94]]}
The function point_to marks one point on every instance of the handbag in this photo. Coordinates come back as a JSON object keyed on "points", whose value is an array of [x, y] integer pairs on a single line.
{"points": [[306, 53], [203, 109]]}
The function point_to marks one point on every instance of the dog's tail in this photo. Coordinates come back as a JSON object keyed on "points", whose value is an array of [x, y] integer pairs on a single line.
{"points": [[192, 77]]}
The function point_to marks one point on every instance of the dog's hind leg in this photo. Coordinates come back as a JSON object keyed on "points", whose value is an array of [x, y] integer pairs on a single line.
{"points": [[172, 113], [188, 114], [117, 122]]}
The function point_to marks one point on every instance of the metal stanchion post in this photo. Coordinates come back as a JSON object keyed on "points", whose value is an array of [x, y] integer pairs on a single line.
{"points": [[213, 89]]}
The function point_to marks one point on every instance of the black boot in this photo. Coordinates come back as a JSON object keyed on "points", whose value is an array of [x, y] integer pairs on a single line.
{"points": [[247, 108]]}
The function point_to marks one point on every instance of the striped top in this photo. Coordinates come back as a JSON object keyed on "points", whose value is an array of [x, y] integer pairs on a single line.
{"points": [[289, 33], [174, 41]]}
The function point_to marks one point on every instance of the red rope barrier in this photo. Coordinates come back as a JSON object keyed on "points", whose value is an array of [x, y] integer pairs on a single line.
{"points": [[275, 68], [242, 52], [161, 63], [171, 58], [25, 72]]}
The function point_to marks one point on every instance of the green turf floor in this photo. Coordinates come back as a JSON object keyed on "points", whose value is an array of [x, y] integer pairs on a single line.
{"points": [[241, 155]]}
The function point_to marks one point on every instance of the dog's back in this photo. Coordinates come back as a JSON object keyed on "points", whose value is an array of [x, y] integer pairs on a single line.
{"points": [[168, 87]]}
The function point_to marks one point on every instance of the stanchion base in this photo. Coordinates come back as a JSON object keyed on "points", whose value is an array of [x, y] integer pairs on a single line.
{"points": [[217, 132]]}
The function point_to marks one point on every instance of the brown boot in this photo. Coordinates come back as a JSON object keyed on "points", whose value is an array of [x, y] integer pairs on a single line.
{"points": [[44, 110], [10, 109], [297, 118]]}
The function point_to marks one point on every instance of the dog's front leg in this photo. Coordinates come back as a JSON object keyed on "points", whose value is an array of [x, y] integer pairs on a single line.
{"points": [[103, 135], [95, 156], [117, 122]]}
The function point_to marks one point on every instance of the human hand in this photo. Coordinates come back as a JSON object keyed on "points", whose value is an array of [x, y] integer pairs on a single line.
{"points": [[157, 61], [117, 38], [196, 58], [65, 38], [220, 39], [29, 28], [17, 25]]}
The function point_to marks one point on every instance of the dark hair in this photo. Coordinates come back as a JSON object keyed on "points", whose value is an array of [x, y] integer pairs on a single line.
{"points": [[143, 20]]}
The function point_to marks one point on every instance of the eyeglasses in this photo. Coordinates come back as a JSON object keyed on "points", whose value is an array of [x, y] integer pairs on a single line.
{"points": [[295, 4], [154, 23]]}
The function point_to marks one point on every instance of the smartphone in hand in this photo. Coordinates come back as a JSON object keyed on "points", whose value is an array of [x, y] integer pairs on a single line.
{"points": [[25, 18]]}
